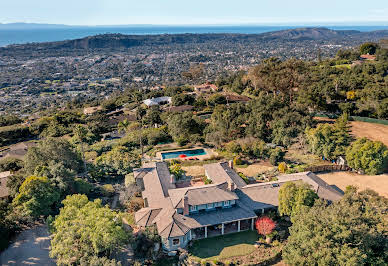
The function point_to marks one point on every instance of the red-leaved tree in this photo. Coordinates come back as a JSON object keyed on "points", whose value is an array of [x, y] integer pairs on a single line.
{"points": [[265, 225]]}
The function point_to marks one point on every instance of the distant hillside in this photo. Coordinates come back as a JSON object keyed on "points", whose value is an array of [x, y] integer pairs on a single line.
{"points": [[120, 41]]}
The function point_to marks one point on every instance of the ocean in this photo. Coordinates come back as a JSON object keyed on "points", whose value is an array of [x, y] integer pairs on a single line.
{"points": [[20, 36]]}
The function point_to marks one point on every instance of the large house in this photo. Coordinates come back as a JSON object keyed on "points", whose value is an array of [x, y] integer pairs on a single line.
{"points": [[227, 205]]}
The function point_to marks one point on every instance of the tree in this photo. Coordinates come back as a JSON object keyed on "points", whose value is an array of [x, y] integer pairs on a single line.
{"points": [[117, 162], [368, 48], [352, 231], [37, 196], [182, 99], [53, 150], [368, 156], [330, 141], [11, 164], [293, 196], [183, 126], [85, 229], [80, 134], [265, 225]]}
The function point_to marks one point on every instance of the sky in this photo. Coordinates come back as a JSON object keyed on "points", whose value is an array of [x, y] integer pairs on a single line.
{"points": [[186, 12]]}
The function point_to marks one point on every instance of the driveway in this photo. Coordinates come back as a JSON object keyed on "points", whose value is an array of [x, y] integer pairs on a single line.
{"points": [[31, 247]]}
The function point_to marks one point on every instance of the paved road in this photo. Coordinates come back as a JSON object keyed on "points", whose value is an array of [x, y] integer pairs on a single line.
{"points": [[31, 247]]}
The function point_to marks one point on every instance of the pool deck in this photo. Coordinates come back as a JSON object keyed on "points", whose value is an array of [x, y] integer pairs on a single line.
{"points": [[208, 154]]}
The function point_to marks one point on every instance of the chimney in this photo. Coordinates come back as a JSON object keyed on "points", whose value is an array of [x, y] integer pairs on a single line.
{"points": [[172, 179], [185, 205], [231, 185], [231, 164]]}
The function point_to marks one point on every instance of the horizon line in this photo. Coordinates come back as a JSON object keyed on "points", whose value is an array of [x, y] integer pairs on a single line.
{"points": [[282, 24]]}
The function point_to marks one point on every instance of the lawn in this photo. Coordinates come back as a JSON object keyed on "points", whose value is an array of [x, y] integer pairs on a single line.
{"points": [[223, 247]]}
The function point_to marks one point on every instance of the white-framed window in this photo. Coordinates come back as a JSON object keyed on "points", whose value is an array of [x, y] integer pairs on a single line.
{"points": [[210, 205], [175, 242], [226, 203], [193, 208]]}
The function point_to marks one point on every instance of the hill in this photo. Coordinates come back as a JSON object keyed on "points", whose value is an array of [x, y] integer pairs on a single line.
{"points": [[121, 41]]}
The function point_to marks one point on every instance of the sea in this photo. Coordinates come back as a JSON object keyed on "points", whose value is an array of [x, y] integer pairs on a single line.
{"points": [[34, 35]]}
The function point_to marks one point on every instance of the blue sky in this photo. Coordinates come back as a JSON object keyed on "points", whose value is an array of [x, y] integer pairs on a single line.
{"points": [[114, 12]]}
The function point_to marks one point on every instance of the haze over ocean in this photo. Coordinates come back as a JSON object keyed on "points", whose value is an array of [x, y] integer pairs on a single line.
{"points": [[20, 36]]}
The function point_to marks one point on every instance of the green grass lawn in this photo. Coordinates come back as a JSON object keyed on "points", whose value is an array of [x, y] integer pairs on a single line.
{"points": [[223, 247]]}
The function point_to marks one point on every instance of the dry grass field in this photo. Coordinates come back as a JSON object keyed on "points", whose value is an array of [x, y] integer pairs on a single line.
{"points": [[378, 183], [371, 131]]}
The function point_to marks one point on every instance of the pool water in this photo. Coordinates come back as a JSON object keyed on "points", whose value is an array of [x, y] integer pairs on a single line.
{"points": [[188, 153]]}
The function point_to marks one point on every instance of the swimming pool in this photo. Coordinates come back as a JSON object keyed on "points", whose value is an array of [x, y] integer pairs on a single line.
{"points": [[188, 153]]}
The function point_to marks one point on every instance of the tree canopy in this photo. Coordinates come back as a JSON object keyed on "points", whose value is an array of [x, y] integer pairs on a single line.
{"points": [[37, 196], [368, 156], [293, 196], [352, 231], [85, 229]]}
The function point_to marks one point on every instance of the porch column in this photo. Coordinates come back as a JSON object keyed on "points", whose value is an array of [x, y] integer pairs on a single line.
{"points": [[222, 229], [190, 237], [238, 226], [205, 231], [262, 211], [253, 222]]}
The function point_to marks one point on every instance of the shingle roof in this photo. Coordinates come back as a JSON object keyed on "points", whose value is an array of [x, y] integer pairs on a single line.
{"points": [[156, 178], [201, 195], [221, 172], [146, 216], [214, 217], [265, 195], [323, 189]]}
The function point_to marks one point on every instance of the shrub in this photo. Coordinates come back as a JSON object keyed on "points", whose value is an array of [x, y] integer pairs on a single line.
{"points": [[282, 167], [135, 204], [276, 155], [81, 186], [237, 160], [107, 190], [265, 225]]}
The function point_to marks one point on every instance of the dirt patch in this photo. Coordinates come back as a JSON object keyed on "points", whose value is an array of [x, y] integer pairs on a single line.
{"points": [[31, 247], [196, 170], [378, 183], [371, 131], [254, 169]]}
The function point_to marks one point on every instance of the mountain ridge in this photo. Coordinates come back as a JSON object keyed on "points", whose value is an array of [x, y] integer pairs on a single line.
{"points": [[118, 41]]}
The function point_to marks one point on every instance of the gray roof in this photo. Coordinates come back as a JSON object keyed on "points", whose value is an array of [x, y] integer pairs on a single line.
{"points": [[265, 195], [201, 195], [146, 216], [324, 190], [156, 178], [221, 172], [218, 216]]}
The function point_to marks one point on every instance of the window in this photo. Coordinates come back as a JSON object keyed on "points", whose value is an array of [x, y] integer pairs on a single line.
{"points": [[226, 203], [193, 208], [210, 205], [218, 204], [179, 210], [175, 241], [232, 202]]}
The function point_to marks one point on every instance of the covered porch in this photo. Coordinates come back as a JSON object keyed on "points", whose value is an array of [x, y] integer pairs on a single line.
{"points": [[223, 228]]}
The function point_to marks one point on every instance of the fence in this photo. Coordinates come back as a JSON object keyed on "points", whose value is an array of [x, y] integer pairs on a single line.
{"points": [[328, 168]]}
